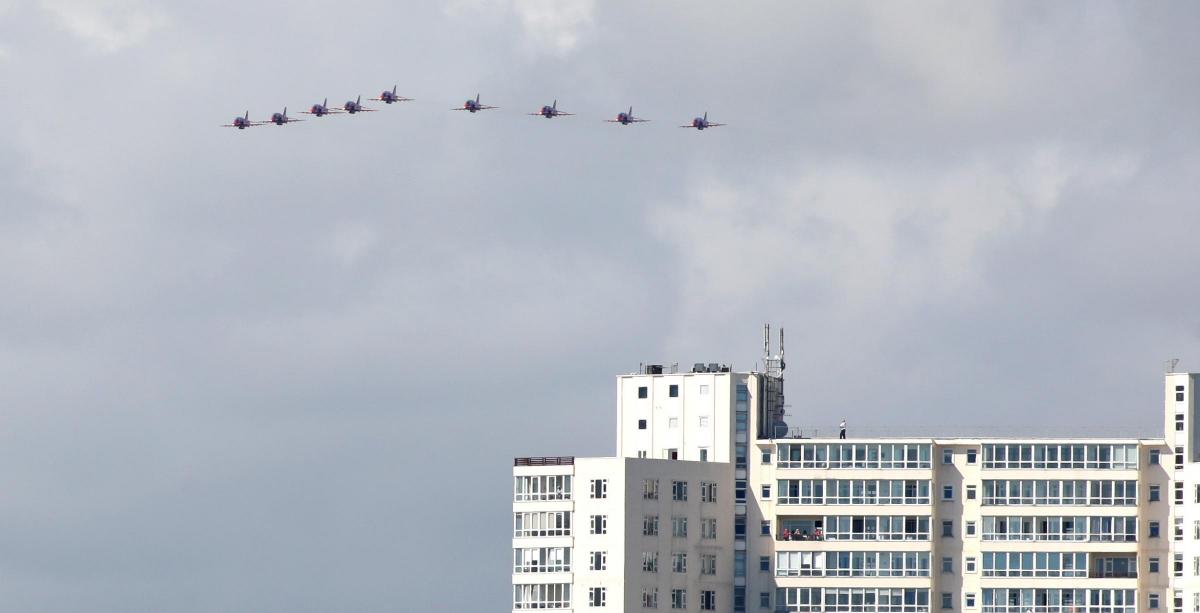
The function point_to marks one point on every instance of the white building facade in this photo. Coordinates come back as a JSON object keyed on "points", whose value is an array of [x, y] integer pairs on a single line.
{"points": [[876, 525]]}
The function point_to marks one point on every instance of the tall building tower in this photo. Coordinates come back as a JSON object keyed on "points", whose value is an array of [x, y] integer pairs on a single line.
{"points": [[807, 521]]}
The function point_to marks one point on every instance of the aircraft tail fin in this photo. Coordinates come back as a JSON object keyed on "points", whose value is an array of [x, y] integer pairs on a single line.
{"points": [[705, 115], [285, 111], [476, 98], [247, 115], [554, 105], [394, 89], [630, 111], [326, 103]]}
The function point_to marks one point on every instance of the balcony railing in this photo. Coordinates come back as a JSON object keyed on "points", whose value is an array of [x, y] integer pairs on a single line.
{"points": [[545, 461]]}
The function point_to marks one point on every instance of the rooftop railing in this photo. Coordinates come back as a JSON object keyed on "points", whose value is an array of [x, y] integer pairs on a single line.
{"points": [[545, 461]]}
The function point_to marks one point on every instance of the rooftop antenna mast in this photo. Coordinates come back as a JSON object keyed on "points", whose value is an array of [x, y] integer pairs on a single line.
{"points": [[771, 415]]}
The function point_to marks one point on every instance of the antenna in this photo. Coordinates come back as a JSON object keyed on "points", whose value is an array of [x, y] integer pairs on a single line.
{"points": [[767, 340], [782, 364], [1170, 364]]}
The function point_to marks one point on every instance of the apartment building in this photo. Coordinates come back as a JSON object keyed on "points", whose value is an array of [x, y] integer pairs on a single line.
{"points": [[909, 525]]}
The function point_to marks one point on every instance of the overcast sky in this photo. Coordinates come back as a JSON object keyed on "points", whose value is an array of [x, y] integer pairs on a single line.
{"points": [[286, 369]]}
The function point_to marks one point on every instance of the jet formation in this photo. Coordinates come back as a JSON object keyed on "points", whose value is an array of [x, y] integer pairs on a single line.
{"points": [[353, 107]]}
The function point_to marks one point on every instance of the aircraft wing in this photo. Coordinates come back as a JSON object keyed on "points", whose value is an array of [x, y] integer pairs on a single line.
{"points": [[327, 112], [714, 125], [484, 107], [637, 120], [562, 113]]}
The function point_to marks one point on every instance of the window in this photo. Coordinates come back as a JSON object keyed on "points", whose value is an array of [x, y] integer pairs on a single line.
{"points": [[969, 600], [708, 491], [764, 563], [947, 564], [1041, 456], [679, 527], [1153, 565], [1179, 422], [650, 525], [542, 560], [708, 564], [649, 561], [672, 422], [765, 528], [947, 492], [704, 454], [542, 596], [643, 392], [764, 600], [708, 528], [679, 597], [598, 560], [947, 600], [599, 524], [1178, 393], [948, 527], [852, 563], [971, 492], [1154, 493], [766, 491], [596, 596], [673, 391], [679, 562], [679, 491], [970, 528], [739, 527], [671, 454], [739, 490], [1154, 456], [542, 523], [650, 489], [1177, 565], [703, 421], [649, 598], [1179, 492], [947, 456], [1153, 529], [1178, 458], [708, 600], [766, 457], [642, 453], [739, 455], [1178, 529], [969, 565], [972, 457], [1052, 564], [641, 424], [1153, 601], [527, 488], [599, 488]]}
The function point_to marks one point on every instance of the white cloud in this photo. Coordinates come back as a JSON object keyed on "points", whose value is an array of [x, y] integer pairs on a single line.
{"points": [[109, 25], [957, 52], [866, 238], [555, 25], [550, 26]]}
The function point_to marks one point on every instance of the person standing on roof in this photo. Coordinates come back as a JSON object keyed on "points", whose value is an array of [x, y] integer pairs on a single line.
{"points": [[842, 427]]}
